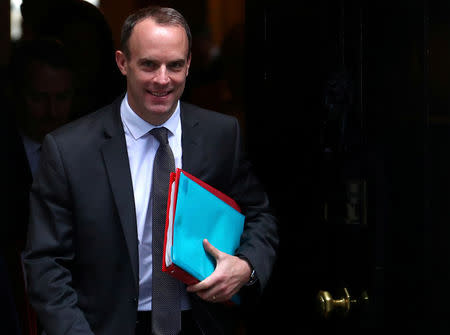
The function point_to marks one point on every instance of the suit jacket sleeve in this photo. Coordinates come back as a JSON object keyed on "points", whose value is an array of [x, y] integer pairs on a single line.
{"points": [[50, 251], [259, 241]]}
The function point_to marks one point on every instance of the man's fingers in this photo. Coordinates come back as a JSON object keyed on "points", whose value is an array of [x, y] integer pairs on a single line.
{"points": [[201, 286], [212, 294]]}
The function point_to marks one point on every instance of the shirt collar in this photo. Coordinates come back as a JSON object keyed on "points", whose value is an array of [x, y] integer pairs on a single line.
{"points": [[30, 144], [138, 127]]}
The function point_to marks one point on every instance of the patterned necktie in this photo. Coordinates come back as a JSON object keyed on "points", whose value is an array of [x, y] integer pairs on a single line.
{"points": [[166, 289]]}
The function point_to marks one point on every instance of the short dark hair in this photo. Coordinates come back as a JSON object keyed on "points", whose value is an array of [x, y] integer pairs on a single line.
{"points": [[161, 15]]}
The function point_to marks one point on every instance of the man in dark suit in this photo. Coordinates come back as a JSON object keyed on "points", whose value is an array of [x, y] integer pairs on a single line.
{"points": [[39, 101], [89, 254]]}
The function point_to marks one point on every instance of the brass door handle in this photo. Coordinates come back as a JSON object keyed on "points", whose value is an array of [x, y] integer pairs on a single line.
{"points": [[329, 306]]}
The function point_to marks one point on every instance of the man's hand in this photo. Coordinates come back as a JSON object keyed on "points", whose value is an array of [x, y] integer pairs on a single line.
{"points": [[230, 275]]}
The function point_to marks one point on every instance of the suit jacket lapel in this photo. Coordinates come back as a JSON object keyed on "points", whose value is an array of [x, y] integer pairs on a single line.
{"points": [[190, 141], [115, 155]]}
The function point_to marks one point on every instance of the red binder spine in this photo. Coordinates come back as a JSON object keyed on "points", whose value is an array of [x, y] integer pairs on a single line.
{"points": [[180, 274], [172, 180]]}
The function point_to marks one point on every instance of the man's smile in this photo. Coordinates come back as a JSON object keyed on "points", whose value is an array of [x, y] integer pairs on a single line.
{"points": [[159, 94]]}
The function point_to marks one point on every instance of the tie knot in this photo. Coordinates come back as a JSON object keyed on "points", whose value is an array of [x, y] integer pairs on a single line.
{"points": [[160, 134]]}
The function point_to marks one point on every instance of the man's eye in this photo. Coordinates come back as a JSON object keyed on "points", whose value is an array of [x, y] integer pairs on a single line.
{"points": [[63, 96], [176, 66], [148, 65], [36, 97]]}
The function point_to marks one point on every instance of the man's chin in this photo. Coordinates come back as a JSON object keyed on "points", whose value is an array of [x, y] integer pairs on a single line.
{"points": [[159, 114]]}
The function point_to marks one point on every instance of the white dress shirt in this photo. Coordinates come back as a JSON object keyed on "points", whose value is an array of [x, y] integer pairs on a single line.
{"points": [[142, 147]]}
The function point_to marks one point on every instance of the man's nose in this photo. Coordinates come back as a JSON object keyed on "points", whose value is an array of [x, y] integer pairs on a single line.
{"points": [[162, 76]]}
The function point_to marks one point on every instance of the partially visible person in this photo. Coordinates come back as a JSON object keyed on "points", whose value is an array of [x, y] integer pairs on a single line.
{"points": [[42, 91], [86, 34], [92, 251], [39, 100]]}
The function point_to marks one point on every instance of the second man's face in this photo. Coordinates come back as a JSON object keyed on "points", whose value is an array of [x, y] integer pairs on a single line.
{"points": [[48, 99], [156, 70]]}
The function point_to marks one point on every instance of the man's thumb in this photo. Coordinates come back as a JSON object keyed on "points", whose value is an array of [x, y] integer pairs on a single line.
{"points": [[210, 249]]}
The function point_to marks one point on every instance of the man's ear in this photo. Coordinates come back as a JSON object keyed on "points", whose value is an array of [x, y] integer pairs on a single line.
{"points": [[121, 61]]}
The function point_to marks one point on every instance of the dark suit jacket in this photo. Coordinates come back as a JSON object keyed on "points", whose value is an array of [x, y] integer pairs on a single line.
{"points": [[82, 253], [15, 223]]}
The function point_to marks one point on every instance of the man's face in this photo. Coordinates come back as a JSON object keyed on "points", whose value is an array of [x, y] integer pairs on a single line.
{"points": [[156, 70], [48, 99]]}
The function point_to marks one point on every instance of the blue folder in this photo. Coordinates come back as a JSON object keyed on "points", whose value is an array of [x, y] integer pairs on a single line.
{"points": [[200, 212]]}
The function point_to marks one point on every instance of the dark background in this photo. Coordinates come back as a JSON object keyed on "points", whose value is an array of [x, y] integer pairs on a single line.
{"points": [[290, 71]]}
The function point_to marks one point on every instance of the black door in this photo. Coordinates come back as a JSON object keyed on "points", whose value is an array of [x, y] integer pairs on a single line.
{"points": [[338, 123]]}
